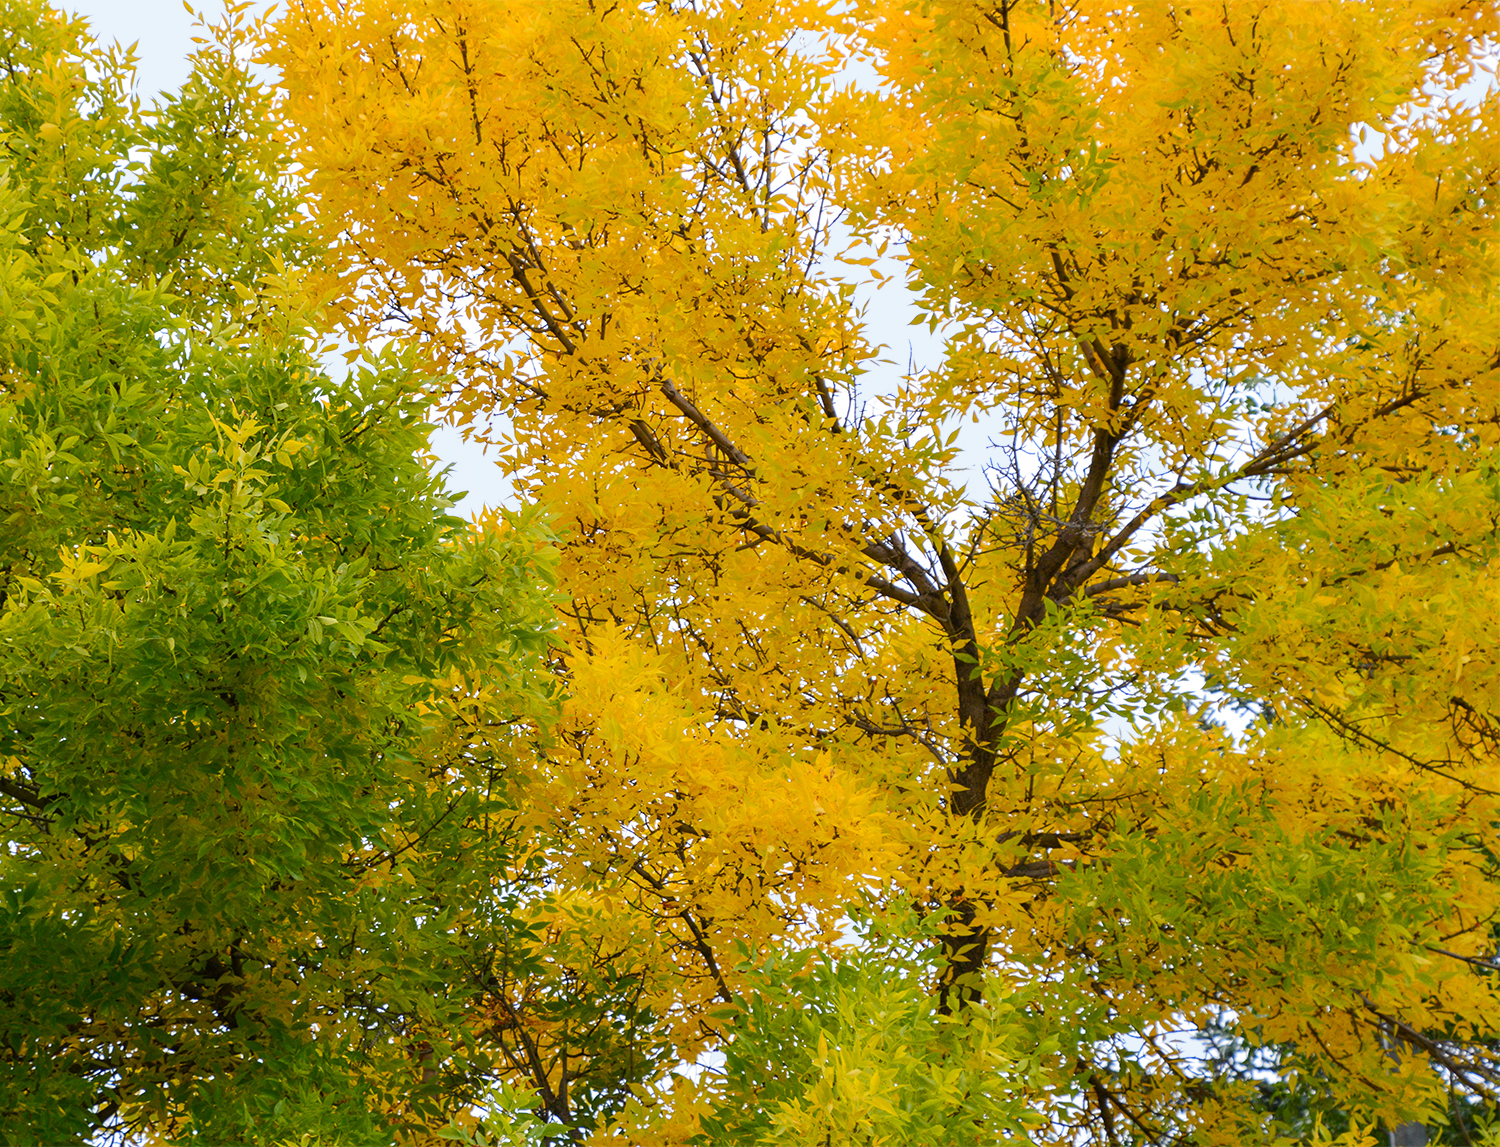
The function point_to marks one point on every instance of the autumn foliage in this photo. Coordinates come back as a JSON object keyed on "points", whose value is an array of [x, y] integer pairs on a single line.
{"points": [[1092, 738], [1238, 376]]}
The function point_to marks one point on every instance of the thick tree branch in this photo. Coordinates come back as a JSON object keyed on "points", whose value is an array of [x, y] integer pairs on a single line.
{"points": [[1129, 581], [703, 423]]}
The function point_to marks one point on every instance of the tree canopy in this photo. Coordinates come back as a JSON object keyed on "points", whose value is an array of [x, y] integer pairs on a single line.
{"points": [[260, 691], [1089, 737], [1217, 286]]}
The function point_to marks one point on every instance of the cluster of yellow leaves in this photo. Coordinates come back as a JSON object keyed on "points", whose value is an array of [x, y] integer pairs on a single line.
{"points": [[810, 661]]}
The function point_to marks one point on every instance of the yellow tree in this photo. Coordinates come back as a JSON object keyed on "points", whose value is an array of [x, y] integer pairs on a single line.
{"points": [[1217, 287]]}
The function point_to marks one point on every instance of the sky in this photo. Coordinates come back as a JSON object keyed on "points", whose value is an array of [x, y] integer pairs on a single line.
{"points": [[161, 29]]}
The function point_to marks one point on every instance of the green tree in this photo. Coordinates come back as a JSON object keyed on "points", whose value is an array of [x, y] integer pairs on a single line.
{"points": [[260, 690]]}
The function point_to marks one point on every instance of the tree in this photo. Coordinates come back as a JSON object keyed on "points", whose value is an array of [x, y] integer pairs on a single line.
{"points": [[261, 691], [1240, 383]]}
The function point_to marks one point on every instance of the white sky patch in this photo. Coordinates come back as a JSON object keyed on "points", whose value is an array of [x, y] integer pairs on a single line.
{"points": [[162, 31]]}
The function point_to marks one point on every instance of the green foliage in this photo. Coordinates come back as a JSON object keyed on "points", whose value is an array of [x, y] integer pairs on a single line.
{"points": [[260, 689], [196, 190], [67, 123], [852, 1049], [215, 207]]}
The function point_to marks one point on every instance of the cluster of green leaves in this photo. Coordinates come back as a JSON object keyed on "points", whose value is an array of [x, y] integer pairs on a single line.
{"points": [[852, 1049], [194, 190], [259, 688]]}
